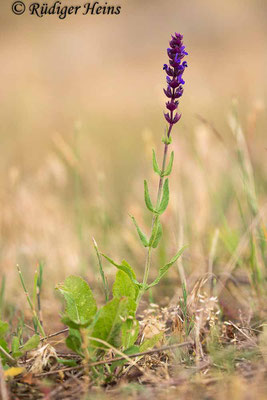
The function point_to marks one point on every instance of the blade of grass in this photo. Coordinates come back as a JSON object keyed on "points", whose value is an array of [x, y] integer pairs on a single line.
{"points": [[34, 314], [104, 279]]}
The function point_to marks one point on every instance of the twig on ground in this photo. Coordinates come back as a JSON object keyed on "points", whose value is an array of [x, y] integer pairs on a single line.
{"points": [[94, 364], [50, 336], [54, 334]]}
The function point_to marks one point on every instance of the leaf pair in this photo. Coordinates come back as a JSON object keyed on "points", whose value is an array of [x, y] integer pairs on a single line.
{"points": [[155, 235], [156, 168], [132, 280], [31, 344], [164, 200]]}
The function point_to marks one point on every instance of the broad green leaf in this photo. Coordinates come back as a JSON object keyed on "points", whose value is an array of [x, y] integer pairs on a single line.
{"points": [[80, 303], [137, 285], [3, 328], [123, 286], [125, 267], [131, 307], [168, 170], [142, 236], [130, 331], [155, 164], [109, 322], [147, 198], [165, 197], [150, 343], [67, 321], [74, 341], [165, 268], [156, 233], [31, 344]]}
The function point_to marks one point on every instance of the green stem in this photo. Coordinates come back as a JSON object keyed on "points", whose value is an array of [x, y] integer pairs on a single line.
{"points": [[149, 249]]}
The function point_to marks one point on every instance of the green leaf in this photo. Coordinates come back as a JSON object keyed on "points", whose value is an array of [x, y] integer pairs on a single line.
{"points": [[130, 327], [3, 328], [142, 236], [168, 170], [74, 341], [109, 322], [123, 286], [155, 164], [67, 321], [4, 345], [136, 283], [150, 343], [68, 363], [147, 199], [156, 233], [166, 140], [15, 344], [130, 331], [40, 275], [165, 197], [31, 344], [131, 350], [163, 270], [125, 267], [80, 303]]}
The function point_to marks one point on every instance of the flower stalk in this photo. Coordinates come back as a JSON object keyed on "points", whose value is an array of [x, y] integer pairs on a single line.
{"points": [[174, 91]]}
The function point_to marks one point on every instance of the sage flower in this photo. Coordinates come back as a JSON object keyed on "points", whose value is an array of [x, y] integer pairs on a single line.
{"points": [[174, 71]]}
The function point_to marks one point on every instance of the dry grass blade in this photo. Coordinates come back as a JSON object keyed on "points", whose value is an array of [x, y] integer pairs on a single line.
{"points": [[241, 246]]}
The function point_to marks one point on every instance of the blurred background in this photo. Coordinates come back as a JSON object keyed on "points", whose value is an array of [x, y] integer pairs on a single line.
{"points": [[81, 109]]}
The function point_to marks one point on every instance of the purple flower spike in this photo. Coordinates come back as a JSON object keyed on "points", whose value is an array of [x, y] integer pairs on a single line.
{"points": [[174, 71]]}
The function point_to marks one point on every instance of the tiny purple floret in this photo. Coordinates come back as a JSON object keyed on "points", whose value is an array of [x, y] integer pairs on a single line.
{"points": [[174, 71]]}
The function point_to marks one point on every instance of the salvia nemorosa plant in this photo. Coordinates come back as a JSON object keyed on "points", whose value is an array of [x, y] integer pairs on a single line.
{"points": [[93, 330], [114, 325]]}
